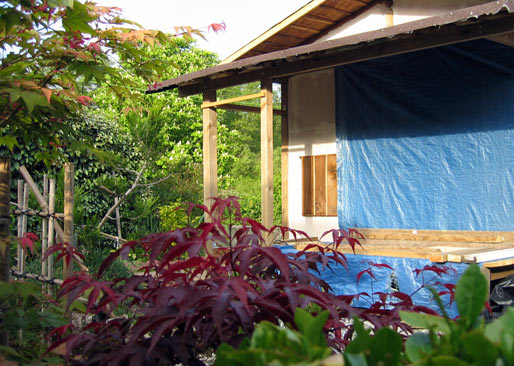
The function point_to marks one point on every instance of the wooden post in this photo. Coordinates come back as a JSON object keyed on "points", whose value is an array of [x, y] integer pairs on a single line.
{"points": [[5, 218], [69, 187], [210, 153], [20, 224], [44, 229], [267, 153], [24, 225], [51, 233], [285, 154], [5, 231]]}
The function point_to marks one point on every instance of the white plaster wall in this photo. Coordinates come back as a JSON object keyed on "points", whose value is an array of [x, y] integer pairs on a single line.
{"points": [[403, 11], [311, 132], [370, 20], [409, 10]]}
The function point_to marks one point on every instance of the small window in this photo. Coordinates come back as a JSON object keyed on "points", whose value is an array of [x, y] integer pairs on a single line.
{"points": [[319, 185]]}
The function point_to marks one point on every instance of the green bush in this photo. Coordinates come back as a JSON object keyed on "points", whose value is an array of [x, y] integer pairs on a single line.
{"points": [[466, 341]]}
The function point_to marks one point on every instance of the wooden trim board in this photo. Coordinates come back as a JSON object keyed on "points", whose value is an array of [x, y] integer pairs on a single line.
{"points": [[490, 248]]}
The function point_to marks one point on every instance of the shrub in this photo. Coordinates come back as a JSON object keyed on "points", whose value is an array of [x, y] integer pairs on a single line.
{"points": [[185, 301]]}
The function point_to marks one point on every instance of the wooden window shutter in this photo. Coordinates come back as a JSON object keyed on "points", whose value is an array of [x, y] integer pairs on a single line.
{"points": [[319, 188]]}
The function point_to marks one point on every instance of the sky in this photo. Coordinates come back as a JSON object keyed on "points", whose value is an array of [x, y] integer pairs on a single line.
{"points": [[244, 19]]}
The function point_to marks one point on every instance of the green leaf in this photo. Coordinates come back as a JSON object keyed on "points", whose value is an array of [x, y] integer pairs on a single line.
{"points": [[360, 343], [9, 141], [32, 99], [302, 319], [444, 360], [356, 359], [493, 331], [483, 351], [426, 321], [418, 346], [385, 348], [470, 294]]}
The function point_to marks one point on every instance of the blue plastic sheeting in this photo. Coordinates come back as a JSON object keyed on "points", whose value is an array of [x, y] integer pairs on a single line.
{"points": [[425, 140], [344, 281]]}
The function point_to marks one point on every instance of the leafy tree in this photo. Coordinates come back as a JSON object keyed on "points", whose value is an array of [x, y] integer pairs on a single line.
{"points": [[54, 53]]}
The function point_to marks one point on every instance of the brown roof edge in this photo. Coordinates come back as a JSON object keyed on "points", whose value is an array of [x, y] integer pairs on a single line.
{"points": [[311, 50]]}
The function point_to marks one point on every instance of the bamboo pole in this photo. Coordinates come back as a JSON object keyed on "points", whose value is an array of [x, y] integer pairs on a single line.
{"points": [[44, 229], [51, 233], [5, 232], [19, 223], [24, 224], [118, 221], [69, 173]]}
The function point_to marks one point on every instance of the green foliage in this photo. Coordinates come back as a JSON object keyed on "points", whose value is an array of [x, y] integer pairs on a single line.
{"points": [[55, 53], [24, 308], [271, 344], [466, 341]]}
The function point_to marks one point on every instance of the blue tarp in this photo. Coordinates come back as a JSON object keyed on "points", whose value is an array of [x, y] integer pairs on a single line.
{"points": [[425, 140], [402, 278]]}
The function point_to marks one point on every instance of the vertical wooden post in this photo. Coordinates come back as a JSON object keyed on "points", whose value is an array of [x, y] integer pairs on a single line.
{"points": [[210, 152], [5, 232], [5, 218], [24, 224], [44, 229], [51, 232], [20, 224], [69, 187], [267, 153], [285, 153]]}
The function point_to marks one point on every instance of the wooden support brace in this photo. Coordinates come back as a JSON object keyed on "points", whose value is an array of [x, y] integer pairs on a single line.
{"points": [[214, 103]]}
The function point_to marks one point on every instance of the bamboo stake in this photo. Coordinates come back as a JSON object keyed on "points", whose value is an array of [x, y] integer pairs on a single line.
{"points": [[69, 187], [118, 221], [51, 233], [20, 223], [44, 229], [24, 224]]}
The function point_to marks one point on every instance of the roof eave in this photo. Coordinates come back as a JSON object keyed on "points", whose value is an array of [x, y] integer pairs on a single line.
{"points": [[457, 26]]}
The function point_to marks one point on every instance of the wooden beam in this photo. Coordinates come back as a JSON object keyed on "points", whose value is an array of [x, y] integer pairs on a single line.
{"points": [[303, 28], [370, 49], [318, 19], [250, 109], [267, 153], [284, 124], [275, 29], [232, 100]]}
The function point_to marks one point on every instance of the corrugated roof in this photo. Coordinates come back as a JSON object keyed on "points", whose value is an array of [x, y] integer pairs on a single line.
{"points": [[493, 18], [304, 26]]}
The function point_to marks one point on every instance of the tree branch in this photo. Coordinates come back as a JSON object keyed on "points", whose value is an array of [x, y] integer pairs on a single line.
{"points": [[122, 198]]}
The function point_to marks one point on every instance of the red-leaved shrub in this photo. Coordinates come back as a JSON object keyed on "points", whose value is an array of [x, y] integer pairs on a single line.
{"points": [[185, 301]]}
